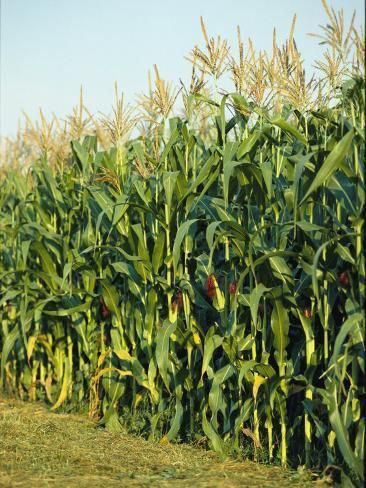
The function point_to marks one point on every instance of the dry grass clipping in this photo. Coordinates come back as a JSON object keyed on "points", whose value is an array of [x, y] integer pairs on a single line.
{"points": [[39, 448]]}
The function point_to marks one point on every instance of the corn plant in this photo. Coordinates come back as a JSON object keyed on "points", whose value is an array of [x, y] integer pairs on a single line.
{"points": [[206, 285]]}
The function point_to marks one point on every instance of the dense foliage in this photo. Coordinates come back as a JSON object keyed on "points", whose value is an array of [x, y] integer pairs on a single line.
{"points": [[221, 295], [200, 277]]}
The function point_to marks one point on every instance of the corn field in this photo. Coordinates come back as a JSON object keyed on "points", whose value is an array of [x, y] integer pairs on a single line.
{"points": [[205, 278]]}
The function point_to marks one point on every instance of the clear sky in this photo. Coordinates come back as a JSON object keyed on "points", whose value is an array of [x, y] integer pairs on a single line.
{"points": [[50, 47]]}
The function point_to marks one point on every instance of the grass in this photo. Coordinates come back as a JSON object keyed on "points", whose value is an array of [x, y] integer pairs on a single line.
{"points": [[40, 448]]}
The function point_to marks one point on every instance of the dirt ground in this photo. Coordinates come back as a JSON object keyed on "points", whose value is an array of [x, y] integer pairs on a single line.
{"points": [[39, 448]]}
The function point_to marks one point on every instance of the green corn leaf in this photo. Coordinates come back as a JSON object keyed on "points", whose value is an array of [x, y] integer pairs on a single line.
{"points": [[126, 269], [106, 205], [330, 397], [247, 145], [178, 417], [182, 232], [173, 138], [64, 312], [216, 441], [267, 172], [247, 367], [9, 296], [228, 171], [111, 299], [222, 117], [345, 253], [254, 299], [309, 227], [286, 127], [158, 252], [223, 374], [210, 233], [65, 385], [331, 164], [350, 326], [48, 264], [280, 327], [212, 342], [80, 152], [281, 269], [245, 343], [204, 172], [245, 413], [8, 346], [169, 183], [162, 350], [152, 303]]}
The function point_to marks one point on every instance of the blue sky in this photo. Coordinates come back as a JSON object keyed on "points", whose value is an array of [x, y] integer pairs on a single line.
{"points": [[50, 47]]}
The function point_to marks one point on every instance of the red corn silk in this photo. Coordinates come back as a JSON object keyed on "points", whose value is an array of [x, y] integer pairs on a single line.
{"points": [[210, 286], [179, 298], [308, 313], [177, 302], [344, 278], [104, 310], [232, 288]]}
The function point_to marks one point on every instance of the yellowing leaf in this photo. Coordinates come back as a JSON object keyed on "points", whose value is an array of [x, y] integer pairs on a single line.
{"points": [[196, 338], [258, 381], [65, 386], [30, 346], [123, 354], [219, 300]]}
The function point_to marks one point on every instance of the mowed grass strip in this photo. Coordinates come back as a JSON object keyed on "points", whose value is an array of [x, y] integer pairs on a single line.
{"points": [[40, 448]]}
